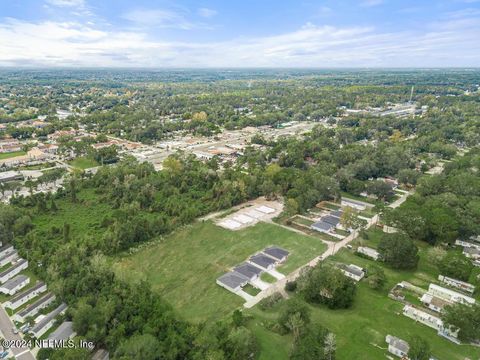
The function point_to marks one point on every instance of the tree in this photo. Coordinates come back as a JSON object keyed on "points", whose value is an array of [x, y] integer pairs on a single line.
{"points": [[139, 347], [237, 318], [376, 277], [327, 285], [330, 346], [455, 265], [294, 316], [398, 251], [241, 344], [380, 189], [350, 219], [313, 345], [419, 349], [465, 319]]}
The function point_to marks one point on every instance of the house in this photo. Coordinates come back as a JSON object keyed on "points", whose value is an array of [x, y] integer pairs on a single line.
{"points": [[329, 219], [232, 281], [15, 284], [263, 261], [397, 347], [6, 249], [352, 271], [34, 308], [336, 213], [25, 296], [62, 333], [471, 253], [353, 204], [461, 285], [18, 266], [8, 257], [249, 271], [47, 321], [371, 253], [322, 226], [277, 253], [431, 321], [467, 244], [7, 176], [434, 303], [450, 295]]}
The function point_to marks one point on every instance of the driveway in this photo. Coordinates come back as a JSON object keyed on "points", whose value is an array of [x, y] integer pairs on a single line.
{"points": [[6, 326]]}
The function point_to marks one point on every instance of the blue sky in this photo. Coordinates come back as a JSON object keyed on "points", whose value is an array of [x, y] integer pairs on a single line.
{"points": [[240, 33]]}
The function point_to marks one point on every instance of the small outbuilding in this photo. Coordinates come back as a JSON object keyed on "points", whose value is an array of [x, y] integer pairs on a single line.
{"points": [[397, 346], [248, 270], [263, 261], [232, 281]]}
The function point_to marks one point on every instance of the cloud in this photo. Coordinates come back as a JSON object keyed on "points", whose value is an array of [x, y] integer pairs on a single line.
{"points": [[452, 42], [207, 13], [370, 3], [66, 3]]}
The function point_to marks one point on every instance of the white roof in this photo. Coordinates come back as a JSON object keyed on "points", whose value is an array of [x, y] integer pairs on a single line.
{"points": [[265, 209], [244, 219], [254, 214], [230, 224]]}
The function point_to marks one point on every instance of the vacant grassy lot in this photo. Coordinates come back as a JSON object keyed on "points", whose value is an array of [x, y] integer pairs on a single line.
{"points": [[183, 267], [361, 330], [83, 163], [13, 154]]}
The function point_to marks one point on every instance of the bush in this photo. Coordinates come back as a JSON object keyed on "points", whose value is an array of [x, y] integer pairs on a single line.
{"points": [[291, 286], [270, 301]]}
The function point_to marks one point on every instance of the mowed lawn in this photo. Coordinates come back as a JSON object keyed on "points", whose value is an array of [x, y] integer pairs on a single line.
{"points": [[183, 267], [360, 331]]}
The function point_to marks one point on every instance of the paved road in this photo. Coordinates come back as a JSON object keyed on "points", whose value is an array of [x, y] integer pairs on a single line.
{"points": [[6, 326]]}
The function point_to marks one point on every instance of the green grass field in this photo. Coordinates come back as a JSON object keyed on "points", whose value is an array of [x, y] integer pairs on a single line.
{"points": [[83, 163], [13, 154], [183, 267], [361, 330]]}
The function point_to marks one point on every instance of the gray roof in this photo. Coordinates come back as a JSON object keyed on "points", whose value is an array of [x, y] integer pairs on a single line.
{"points": [[17, 264], [7, 254], [262, 260], [27, 292], [63, 332], [471, 250], [248, 270], [352, 270], [5, 247], [232, 279], [276, 252], [399, 344], [45, 299], [14, 282], [331, 220], [351, 201], [321, 225], [49, 317], [337, 213]]}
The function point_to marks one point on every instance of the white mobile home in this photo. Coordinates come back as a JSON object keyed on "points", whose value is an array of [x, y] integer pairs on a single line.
{"points": [[47, 322], [15, 284], [17, 267], [34, 308], [25, 296]]}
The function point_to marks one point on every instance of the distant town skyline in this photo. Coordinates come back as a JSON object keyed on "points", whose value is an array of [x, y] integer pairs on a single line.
{"points": [[214, 33]]}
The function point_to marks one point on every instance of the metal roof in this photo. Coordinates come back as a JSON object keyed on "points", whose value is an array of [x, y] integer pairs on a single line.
{"points": [[262, 260], [232, 279], [276, 252], [14, 282], [321, 225], [248, 270], [63, 332]]}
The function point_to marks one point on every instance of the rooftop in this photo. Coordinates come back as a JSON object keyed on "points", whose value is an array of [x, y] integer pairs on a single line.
{"points": [[27, 292], [276, 252], [63, 332], [321, 225], [331, 220], [262, 260], [232, 279], [14, 282], [49, 317], [248, 270], [398, 343]]}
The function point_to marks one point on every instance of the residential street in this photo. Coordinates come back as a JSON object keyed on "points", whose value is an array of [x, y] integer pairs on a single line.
{"points": [[6, 326]]}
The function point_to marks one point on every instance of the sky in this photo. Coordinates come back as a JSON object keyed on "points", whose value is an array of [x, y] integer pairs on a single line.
{"points": [[240, 33]]}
